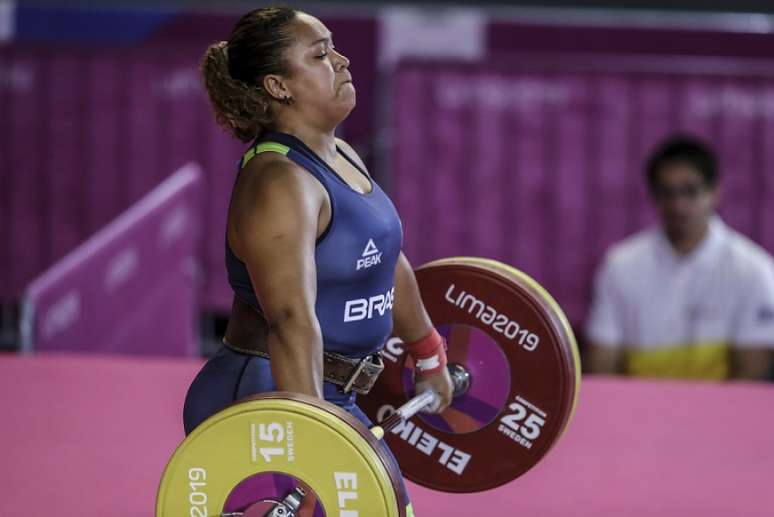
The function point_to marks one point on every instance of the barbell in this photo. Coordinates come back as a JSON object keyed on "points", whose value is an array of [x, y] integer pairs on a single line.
{"points": [[516, 373]]}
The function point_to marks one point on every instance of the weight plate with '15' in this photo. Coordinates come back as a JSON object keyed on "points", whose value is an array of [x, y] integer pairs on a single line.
{"points": [[254, 454]]}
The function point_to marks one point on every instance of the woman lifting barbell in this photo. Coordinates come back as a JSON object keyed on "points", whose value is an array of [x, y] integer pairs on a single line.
{"points": [[313, 244]]}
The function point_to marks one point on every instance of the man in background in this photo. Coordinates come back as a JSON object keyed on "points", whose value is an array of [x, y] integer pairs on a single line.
{"points": [[692, 298]]}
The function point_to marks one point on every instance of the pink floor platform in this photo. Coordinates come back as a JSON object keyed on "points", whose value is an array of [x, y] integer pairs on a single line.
{"points": [[86, 436]]}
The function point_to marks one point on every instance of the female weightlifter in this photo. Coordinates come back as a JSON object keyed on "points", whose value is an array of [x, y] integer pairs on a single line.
{"points": [[312, 243]]}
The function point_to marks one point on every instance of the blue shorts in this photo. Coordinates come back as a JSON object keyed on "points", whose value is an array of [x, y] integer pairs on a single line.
{"points": [[229, 376]]}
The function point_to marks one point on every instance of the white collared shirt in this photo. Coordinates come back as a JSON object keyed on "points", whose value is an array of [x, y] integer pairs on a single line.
{"points": [[649, 297]]}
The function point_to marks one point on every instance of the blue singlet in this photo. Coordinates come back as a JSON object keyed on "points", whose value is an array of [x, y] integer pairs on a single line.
{"points": [[355, 256]]}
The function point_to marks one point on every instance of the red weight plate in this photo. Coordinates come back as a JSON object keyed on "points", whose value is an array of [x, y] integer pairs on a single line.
{"points": [[522, 382], [550, 308]]}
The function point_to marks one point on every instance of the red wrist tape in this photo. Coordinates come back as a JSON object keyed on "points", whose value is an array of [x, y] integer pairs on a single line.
{"points": [[429, 353]]}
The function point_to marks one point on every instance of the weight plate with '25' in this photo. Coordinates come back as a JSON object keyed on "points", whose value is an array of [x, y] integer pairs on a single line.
{"points": [[519, 355]]}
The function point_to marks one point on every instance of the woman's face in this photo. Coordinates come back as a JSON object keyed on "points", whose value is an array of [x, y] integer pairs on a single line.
{"points": [[319, 80]]}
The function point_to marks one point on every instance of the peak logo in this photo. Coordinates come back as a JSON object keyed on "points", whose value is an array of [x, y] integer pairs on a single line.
{"points": [[367, 308], [371, 256]]}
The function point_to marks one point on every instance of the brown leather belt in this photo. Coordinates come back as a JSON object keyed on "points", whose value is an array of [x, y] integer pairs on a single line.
{"points": [[358, 375]]}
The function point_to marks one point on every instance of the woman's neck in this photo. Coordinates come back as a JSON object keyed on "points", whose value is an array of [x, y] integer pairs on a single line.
{"points": [[322, 142]]}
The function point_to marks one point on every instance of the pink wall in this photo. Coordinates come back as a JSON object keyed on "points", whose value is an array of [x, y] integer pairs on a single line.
{"points": [[538, 162]]}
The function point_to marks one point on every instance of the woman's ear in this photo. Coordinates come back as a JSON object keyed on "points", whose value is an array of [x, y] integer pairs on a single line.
{"points": [[275, 86]]}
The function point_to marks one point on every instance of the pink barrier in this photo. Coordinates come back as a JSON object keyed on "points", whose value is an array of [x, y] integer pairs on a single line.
{"points": [[538, 161], [91, 430], [132, 287]]}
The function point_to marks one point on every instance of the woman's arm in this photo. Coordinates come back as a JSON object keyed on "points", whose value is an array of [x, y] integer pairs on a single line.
{"points": [[412, 323], [273, 226], [410, 319]]}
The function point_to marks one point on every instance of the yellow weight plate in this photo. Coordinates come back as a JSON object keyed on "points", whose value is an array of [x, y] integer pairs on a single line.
{"points": [[302, 438]]}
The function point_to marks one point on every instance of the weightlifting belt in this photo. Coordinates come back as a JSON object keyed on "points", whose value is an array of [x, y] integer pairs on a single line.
{"points": [[352, 374]]}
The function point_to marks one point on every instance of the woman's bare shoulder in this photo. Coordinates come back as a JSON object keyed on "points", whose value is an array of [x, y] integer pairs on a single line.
{"points": [[270, 174]]}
